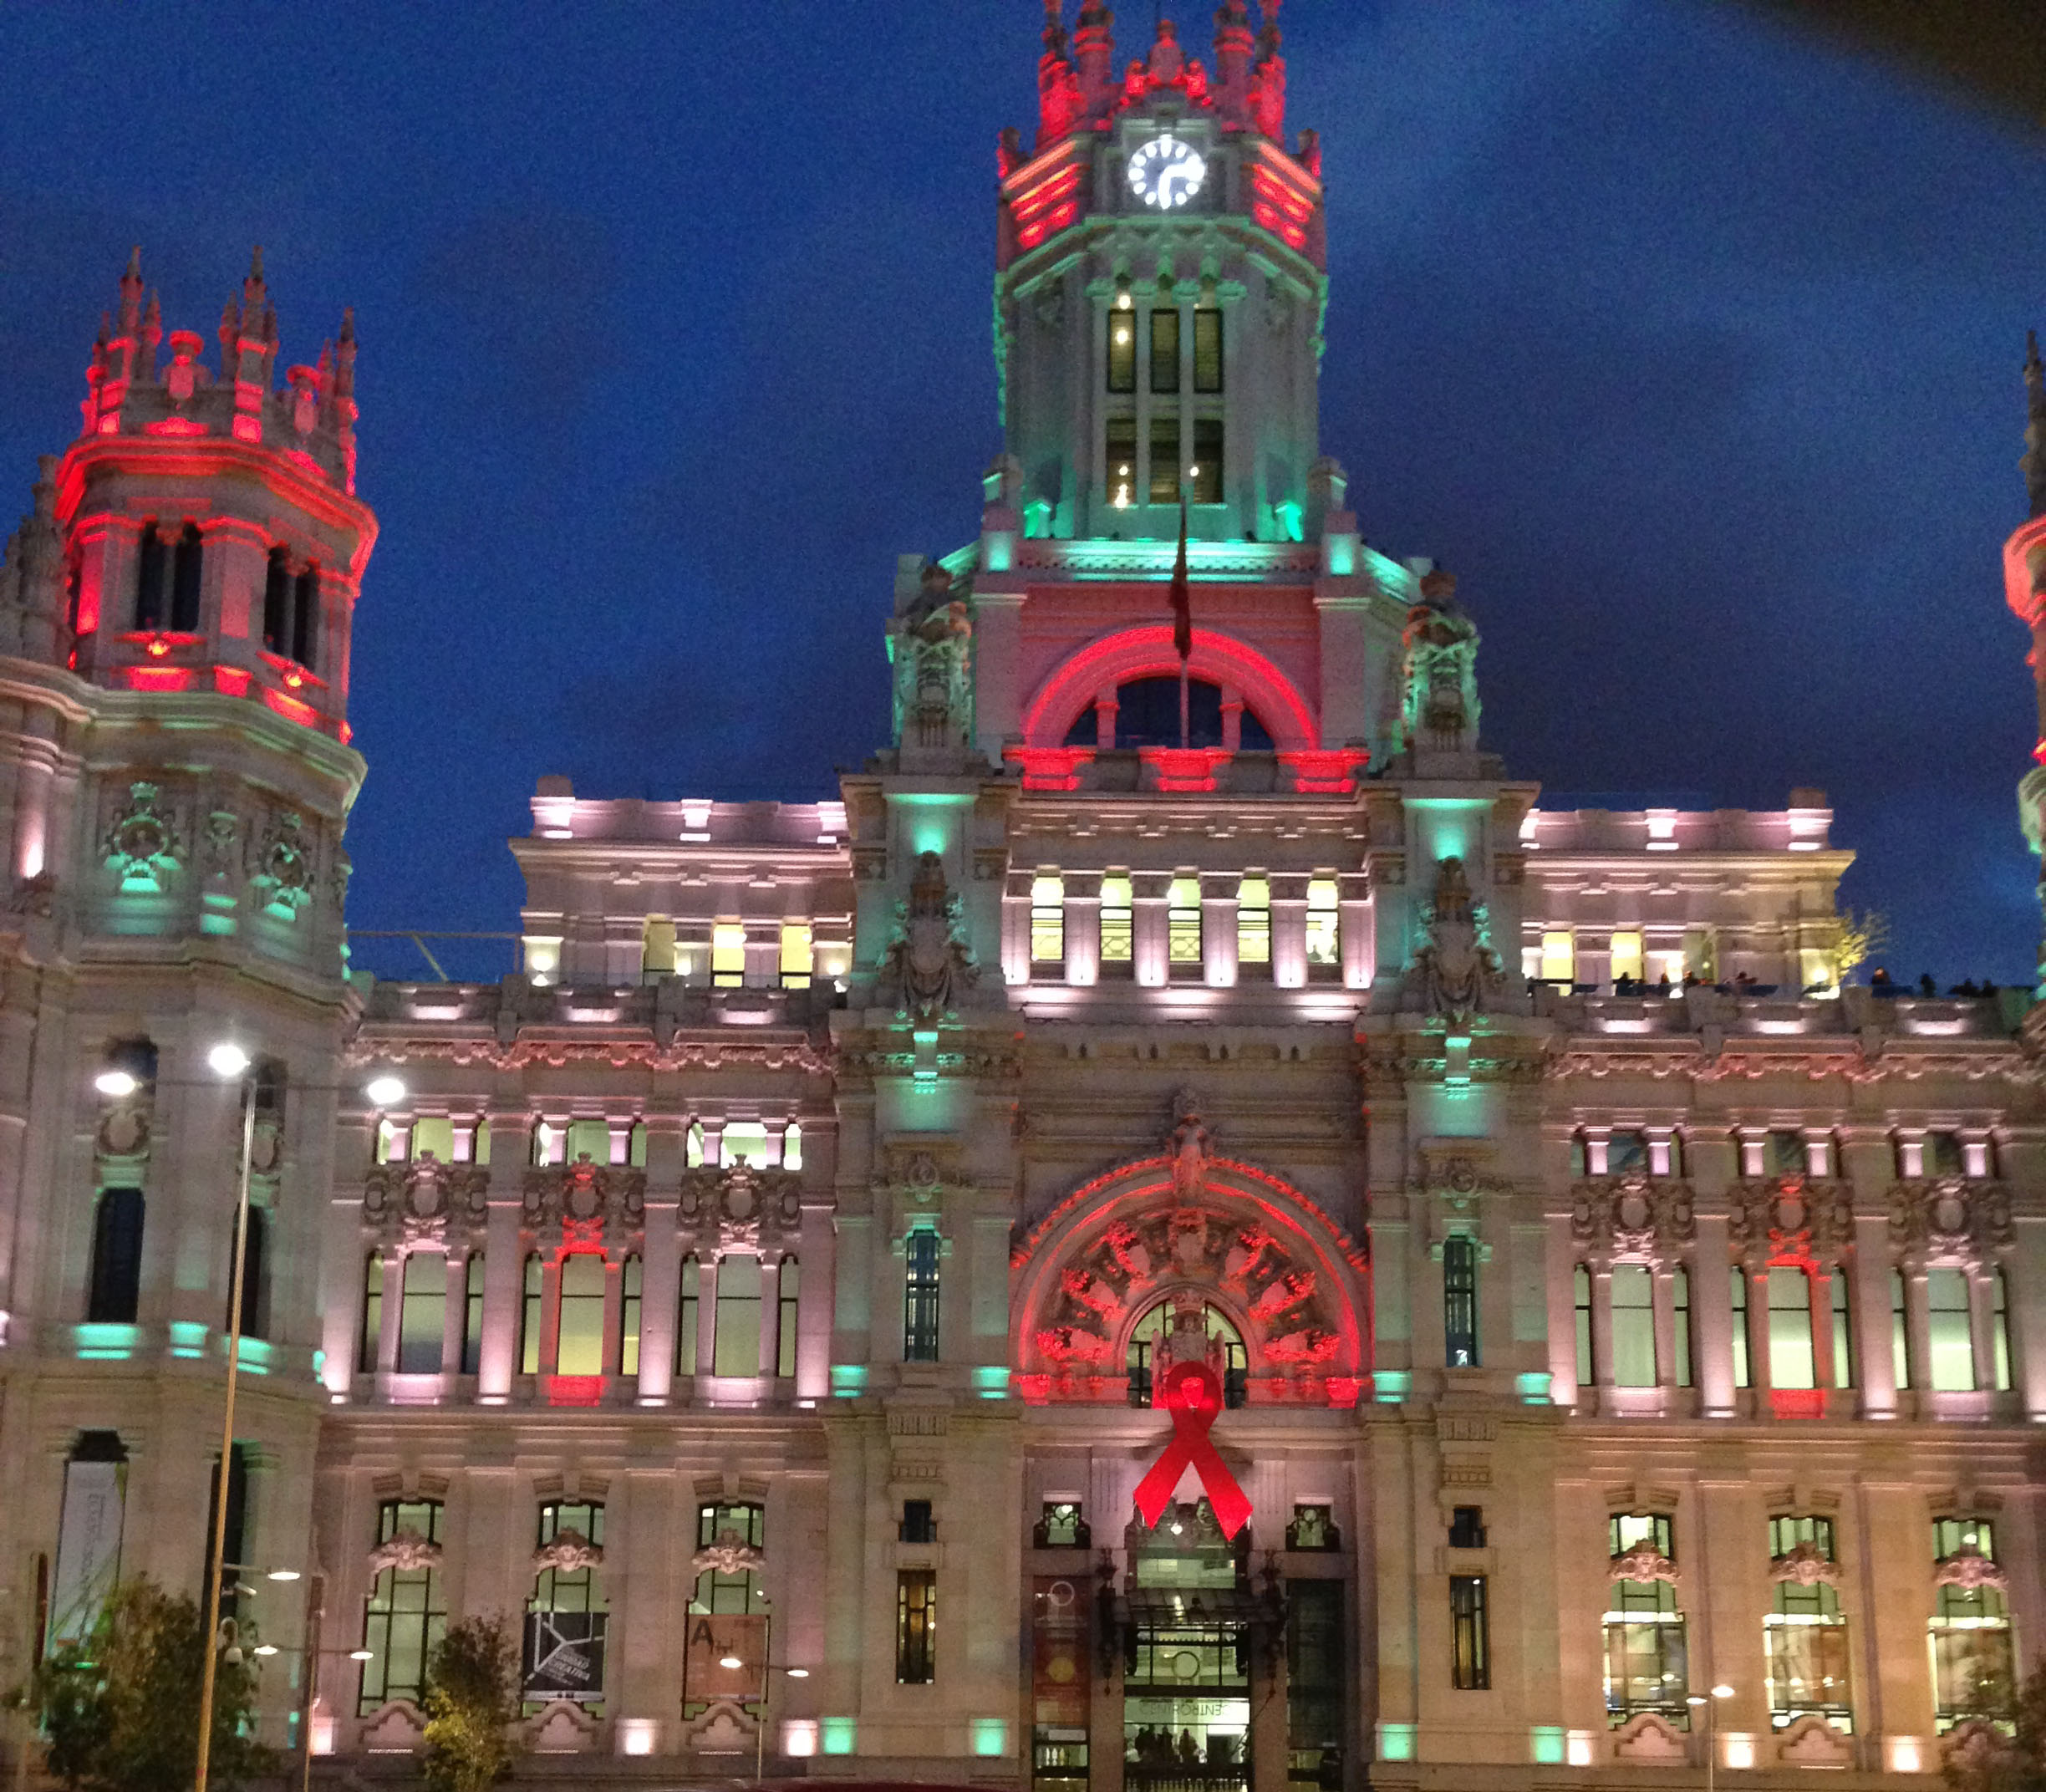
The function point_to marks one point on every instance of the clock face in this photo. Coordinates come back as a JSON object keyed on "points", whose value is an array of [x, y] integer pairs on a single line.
{"points": [[1166, 173]]}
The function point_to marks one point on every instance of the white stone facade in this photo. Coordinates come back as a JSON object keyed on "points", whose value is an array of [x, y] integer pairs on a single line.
{"points": [[783, 1261]]}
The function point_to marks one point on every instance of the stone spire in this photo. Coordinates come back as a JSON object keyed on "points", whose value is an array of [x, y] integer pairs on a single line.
{"points": [[1058, 87], [1232, 44], [1267, 78], [1094, 56], [2034, 461]]}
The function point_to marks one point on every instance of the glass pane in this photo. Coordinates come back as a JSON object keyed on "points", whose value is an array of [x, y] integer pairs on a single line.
{"points": [[580, 1349], [422, 1314], [1953, 1350], [1789, 1327], [1207, 350], [1633, 1313], [1164, 351], [1165, 459], [1121, 351], [736, 1344]]}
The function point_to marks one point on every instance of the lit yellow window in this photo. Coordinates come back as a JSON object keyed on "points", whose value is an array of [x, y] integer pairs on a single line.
{"points": [[1627, 956], [1559, 958], [1118, 904], [1322, 929], [657, 950], [434, 1132], [798, 957], [1047, 920], [1183, 921], [1254, 921], [727, 956], [1815, 971]]}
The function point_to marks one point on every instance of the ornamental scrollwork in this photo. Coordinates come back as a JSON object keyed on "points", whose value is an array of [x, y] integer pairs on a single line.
{"points": [[728, 1554], [1807, 1565], [1968, 1567], [1643, 1563], [1950, 1218], [1632, 1216], [1792, 1216], [141, 841], [745, 1207], [589, 1204], [417, 1201], [569, 1552], [406, 1549]]}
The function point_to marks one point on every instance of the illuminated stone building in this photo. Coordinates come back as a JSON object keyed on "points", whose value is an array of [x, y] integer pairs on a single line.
{"points": [[781, 1278]]}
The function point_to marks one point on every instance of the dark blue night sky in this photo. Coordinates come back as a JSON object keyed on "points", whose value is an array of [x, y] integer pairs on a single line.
{"points": [[1690, 344]]}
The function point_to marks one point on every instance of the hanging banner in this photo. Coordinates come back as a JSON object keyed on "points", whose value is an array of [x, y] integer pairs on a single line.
{"points": [[714, 1640], [88, 1542], [564, 1655]]}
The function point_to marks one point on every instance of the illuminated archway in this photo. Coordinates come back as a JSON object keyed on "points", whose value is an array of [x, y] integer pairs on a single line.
{"points": [[1219, 659]]}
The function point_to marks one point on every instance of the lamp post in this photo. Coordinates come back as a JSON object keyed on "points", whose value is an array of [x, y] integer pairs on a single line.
{"points": [[1712, 1726], [228, 1061]]}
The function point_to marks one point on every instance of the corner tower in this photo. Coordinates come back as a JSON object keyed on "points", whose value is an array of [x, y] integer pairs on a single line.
{"points": [[1159, 288], [2024, 585]]}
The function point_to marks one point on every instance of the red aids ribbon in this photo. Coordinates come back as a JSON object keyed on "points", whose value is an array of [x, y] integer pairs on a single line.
{"points": [[1193, 1393]]}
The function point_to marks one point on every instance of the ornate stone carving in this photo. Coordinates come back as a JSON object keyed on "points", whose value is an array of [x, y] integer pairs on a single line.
{"points": [[286, 866], [748, 1208], [407, 1549], [1644, 1563], [1630, 1216], [418, 1201], [1950, 1217], [140, 841], [1187, 1145], [929, 643], [591, 1204], [1790, 1216], [1806, 1564], [927, 964], [728, 1553], [1968, 1567], [1455, 973], [1440, 669], [569, 1551]]}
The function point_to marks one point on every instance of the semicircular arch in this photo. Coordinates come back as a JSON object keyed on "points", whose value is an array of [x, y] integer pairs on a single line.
{"points": [[1112, 659]]}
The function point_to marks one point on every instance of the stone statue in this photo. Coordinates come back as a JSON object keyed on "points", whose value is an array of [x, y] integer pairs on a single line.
{"points": [[1440, 671], [928, 964], [1456, 971], [929, 643]]}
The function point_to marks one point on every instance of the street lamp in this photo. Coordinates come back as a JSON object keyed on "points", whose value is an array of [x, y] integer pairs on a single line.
{"points": [[228, 1061], [385, 1091]]}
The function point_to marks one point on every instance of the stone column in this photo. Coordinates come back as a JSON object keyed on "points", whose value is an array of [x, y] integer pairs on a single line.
{"points": [[1758, 1337], [1712, 1316], [550, 1314], [1219, 927], [1083, 927], [1981, 1323], [1918, 1333], [1289, 930], [769, 1313], [393, 1298], [1663, 1294], [1359, 942], [1148, 944], [614, 1312], [706, 1313], [1602, 1333], [455, 1321], [1268, 1749], [504, 1286], [1872, 1315]]}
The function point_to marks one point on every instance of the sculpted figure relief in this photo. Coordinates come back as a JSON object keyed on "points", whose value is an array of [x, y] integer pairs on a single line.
{"points": [[1456, 972], [928, 965]]}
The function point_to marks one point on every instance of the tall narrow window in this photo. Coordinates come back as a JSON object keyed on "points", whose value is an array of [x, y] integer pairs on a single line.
{"points": [[1164, 351], [369, 1334], [1999, 1327], [1117, 911], [1205, 475], [921, 1251], [1208, 349], [1972, 1670], [1581, 1295], [1953, 1348], [1633, 1316], [566, 1617], [1805, 1636], [472, 1314], [631, 1284], [1789, 1327], [1680, 1300], [1165, 458], [1253, 922], [735, 1337], [1470, 1666], [151, 563], [1899, 1332], [1047, 920], [255, 1268], [786, 1291], [405, 1615], [1182, 927], [685, 1318], [1460, 1301], [305, 616], [1737, 1294], [1324, 947], [1646, 1664], [1843, 1329], [277, 602], [185, 569], [1121, 351], [916, 1626], [422, 1313], [728, 955], [798, 955], [532, 1300], [579, 1340], [114, 1289], [1121, 449]]}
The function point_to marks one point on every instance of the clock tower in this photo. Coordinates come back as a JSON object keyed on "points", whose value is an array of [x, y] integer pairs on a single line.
{"points": [[1160, 288]]}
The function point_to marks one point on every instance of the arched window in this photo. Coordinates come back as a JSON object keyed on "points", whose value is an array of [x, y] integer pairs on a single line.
{"points": [[630, 1285], [563, 1657], [1222, 1337], [686, 1318], [788, 1286], [369, 1336], [735, 1334], [114, 1288], [405, 1613], [579, 1340], [1789, 1327], [151, 563], [1953, 1345], [1148, 714], [1633, 1317], [532, 1302], [184, 570], [422, 1313]]}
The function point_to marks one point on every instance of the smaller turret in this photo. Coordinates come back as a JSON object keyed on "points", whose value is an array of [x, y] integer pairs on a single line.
{"points": [[1058, 86], [32, 577], [1268, 78], [1094, 58], [1233, 45]]}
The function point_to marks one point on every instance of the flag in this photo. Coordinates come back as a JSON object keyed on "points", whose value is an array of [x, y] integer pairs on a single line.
{"points": [[1181, 606]]}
